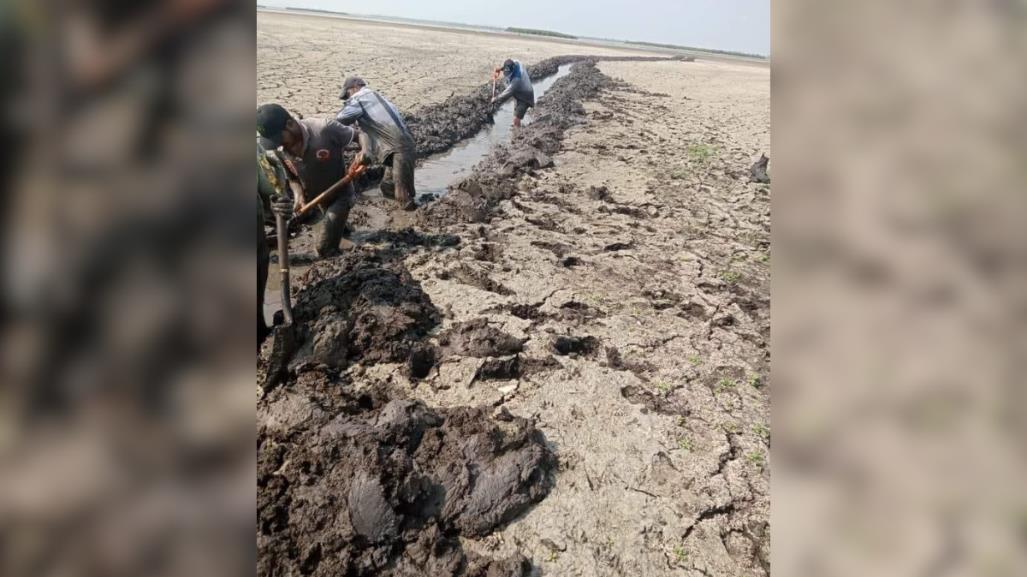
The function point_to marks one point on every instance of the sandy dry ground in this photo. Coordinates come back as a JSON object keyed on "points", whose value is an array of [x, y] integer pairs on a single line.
{"points": [[646, 235], [302, 60]]}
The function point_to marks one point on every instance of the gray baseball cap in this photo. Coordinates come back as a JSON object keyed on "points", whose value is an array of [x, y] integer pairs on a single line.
{"points": [[350, 82]]}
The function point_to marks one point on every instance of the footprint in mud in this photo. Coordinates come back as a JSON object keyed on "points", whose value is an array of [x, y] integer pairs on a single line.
{"points": [[557, 248], [467, 275], [488, 252], [527, 312]]}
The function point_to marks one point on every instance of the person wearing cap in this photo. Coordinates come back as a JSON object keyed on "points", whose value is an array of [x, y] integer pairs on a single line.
{"points": [[518, 85], [315, 146], [384, 138]]}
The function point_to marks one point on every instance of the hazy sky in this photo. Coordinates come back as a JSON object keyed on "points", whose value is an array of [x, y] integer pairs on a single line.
{"points": [[741, 25]]}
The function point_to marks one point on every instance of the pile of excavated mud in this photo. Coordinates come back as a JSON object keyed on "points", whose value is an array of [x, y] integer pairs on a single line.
{"points": [[355, 480], [355, 483], [362, 307], [531, 148]]}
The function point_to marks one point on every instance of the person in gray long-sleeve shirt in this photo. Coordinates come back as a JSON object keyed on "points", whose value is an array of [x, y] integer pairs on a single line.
{"points": [[383, 136], [518, 85]]}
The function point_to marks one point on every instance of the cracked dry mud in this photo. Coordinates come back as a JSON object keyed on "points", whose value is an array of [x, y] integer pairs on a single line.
{"points": [[581, 328]]}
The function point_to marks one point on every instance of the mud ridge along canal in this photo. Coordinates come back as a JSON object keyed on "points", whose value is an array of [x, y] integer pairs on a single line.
{"points": [[436, 173]]}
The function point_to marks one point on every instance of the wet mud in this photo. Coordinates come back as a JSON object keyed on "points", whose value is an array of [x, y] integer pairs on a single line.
{"points": [[368, 483]]}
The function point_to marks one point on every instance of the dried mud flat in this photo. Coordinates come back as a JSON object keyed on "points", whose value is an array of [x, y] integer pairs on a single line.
{"points": [[561, 369]]}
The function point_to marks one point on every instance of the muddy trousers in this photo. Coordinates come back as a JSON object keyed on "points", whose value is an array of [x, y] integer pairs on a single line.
{"points": [[398, 181], [333, 225]]}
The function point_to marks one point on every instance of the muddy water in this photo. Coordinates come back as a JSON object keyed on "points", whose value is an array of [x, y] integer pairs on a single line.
{"points": [[436, 173]]}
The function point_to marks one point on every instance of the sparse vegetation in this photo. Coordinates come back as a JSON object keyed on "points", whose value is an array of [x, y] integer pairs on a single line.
{"points": [[540, 32], [685, 444], [701, 153], [680, 555], [762, 431], [755, 457], [664, 387], [755, 381], [724, 384], [731, 276], [694, 360]]}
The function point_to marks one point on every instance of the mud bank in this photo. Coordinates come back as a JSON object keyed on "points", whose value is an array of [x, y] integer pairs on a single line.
{"points": [[365, 483], [531, 148], [353, 478], [438, 127]]}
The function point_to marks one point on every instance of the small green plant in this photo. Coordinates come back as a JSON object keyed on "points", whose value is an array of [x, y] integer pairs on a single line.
{"points": [[755, 381], [755, 457], [763, 257], [678, 175], [724, 384], [730, 428], [680, 554], [694, 360], [700, 153], [762, 431], [681, 421], [664, 387], [685, 444], [731, 276], [553, 556]]}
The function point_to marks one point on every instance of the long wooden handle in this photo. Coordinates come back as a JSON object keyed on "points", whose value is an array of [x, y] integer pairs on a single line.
{"points": [[355, 170]]}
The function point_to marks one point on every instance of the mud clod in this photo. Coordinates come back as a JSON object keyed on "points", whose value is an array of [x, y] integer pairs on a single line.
{"points": [[422, 361], [565, 345], [362, 307], [571, 261], [617, 246], [479, 339], [758, 172], [499, 369]]}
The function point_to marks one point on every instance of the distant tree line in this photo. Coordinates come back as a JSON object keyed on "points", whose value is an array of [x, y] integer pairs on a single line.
{"points": [[710, 50]]}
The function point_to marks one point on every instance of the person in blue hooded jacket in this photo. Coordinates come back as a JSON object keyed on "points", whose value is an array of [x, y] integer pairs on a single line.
{"points": [[518, 85]]}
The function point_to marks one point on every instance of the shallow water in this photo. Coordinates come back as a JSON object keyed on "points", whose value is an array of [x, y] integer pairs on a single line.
{"points": [[436, 173]]}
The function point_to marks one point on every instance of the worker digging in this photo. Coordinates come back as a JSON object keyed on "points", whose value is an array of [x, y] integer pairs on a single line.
{"points": [[518, 85]]}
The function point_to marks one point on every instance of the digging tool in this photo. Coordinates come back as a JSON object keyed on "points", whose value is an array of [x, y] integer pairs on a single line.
{"points": [[354, 171], [492, 104], [283, 211]]}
